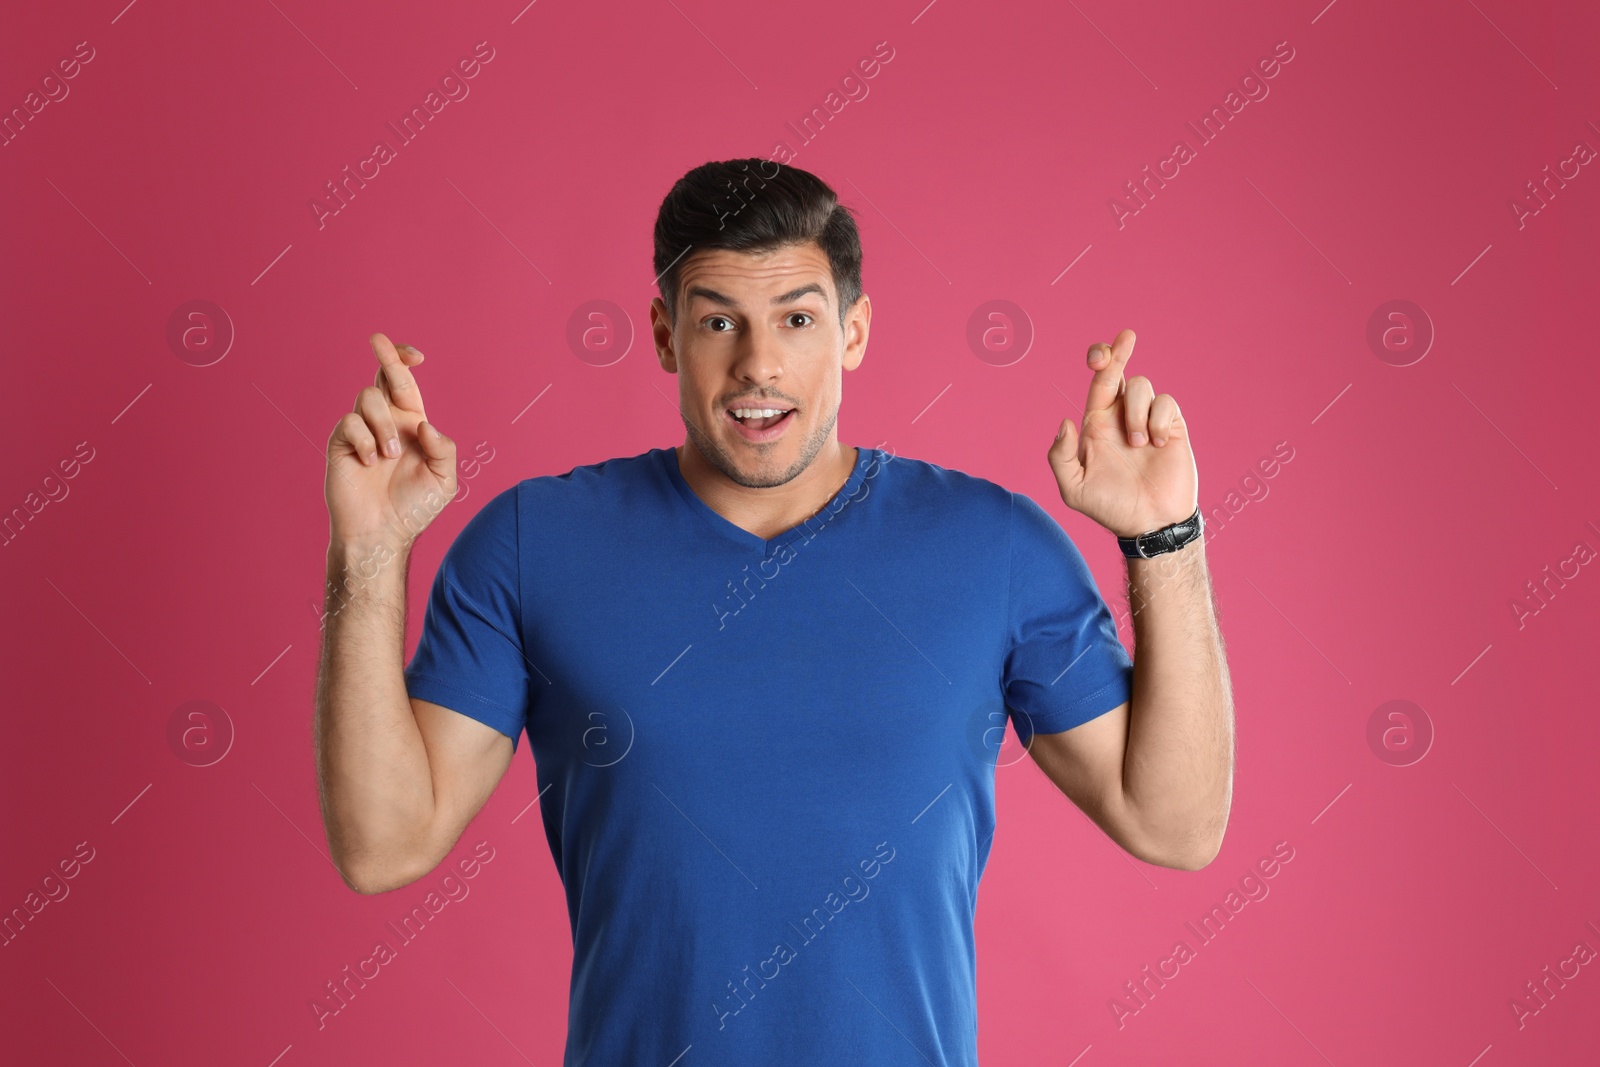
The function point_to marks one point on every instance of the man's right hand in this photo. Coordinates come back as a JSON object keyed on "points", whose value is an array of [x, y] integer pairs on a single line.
{"points": [[390, 472]]}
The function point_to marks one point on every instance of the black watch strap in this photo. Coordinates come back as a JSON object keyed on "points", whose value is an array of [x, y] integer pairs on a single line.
{"points": [[1167, 539]]}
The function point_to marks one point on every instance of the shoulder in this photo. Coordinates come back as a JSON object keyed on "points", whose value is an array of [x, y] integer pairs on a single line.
{"points": [[933, 485], [610, 473], [1018, 520], [545, 499], [1039, 545], [602, 484]]}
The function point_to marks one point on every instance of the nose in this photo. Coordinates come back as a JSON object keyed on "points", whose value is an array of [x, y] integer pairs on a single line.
{"points": [[759, 358]]}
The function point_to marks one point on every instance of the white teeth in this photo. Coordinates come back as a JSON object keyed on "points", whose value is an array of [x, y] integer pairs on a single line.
{"points": [[757, 413]]}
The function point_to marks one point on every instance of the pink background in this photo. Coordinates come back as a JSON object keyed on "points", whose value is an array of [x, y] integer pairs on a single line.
{"points": [[1381, 563]]}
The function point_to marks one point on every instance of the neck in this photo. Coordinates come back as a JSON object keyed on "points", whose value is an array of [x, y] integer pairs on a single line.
{"points": [[768, 512]]}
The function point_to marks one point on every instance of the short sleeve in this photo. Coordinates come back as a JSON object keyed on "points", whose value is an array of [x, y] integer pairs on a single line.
{"points": [[470, 655], [1064, 663]]}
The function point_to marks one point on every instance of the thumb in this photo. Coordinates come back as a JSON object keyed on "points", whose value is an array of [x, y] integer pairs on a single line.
{"points": [[1064, 458], [439, 450]]}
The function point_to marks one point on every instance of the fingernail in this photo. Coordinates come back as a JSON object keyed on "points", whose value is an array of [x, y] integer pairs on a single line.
{"points": [[393, 447], [1160, 440], [1137, 438], [372, 457]]}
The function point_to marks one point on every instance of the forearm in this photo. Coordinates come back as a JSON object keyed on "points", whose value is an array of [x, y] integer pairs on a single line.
{"points": [[1178, 768], [375, 782]]}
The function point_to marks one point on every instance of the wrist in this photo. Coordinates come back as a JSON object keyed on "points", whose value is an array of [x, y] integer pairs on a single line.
{"points": [[351, 549], [359, 544], [365, 572], [1167, 562], [365, 555], [1162, 538]]}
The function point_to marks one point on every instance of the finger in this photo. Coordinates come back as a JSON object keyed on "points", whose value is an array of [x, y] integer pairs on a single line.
{"points": [[352, 437], [379, 416], [441, 454], [410, 356], [1063, 457], [1166, 421], [1107, 362], [399, 386], [1136, 400]]}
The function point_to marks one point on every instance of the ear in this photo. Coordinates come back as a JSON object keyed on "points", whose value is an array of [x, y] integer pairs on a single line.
{"points": [[857, 324], [661, 333]]}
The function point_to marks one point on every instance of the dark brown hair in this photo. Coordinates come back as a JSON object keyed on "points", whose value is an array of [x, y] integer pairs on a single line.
{"points": [[755, 205]]}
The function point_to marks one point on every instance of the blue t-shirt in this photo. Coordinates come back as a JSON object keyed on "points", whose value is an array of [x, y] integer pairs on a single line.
{"points": [[766, 766]]}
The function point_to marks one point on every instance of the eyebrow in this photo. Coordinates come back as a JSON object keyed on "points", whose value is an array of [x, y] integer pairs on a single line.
{"points": [[782, 298]]}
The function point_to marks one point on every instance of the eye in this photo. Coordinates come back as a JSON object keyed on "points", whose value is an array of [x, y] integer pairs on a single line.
{"points": [[802, 314], [718, 318]]}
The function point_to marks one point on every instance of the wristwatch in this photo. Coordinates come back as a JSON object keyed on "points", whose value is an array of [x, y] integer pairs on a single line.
{"points": [[1167, 539]]}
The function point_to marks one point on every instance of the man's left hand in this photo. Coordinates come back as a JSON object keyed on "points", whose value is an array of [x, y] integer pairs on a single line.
{"points": [[1130, 468]]}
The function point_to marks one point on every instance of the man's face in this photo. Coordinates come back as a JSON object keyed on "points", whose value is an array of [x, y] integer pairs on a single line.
{"points": [[760, 331]]}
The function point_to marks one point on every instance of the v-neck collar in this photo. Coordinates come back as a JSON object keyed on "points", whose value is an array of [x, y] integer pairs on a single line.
{"points": [[668, 458]]}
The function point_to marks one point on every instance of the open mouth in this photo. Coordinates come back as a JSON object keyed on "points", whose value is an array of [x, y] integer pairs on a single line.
{"points": [[760, 423]]}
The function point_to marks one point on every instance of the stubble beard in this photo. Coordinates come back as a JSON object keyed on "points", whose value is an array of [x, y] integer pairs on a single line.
{"points": [[762, 478]]}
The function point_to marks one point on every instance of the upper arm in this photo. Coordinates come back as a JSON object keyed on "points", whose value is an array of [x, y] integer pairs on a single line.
{"points": [[1067, 679], [468, 679], [1085, 763], [467, 759]]}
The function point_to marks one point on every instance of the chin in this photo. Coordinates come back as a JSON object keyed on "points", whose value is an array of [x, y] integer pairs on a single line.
{"points": [[773, 466], [763, 466]]}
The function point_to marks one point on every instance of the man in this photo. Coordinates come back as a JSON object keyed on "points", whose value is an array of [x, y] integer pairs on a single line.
{"points": [[763, 674]]}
